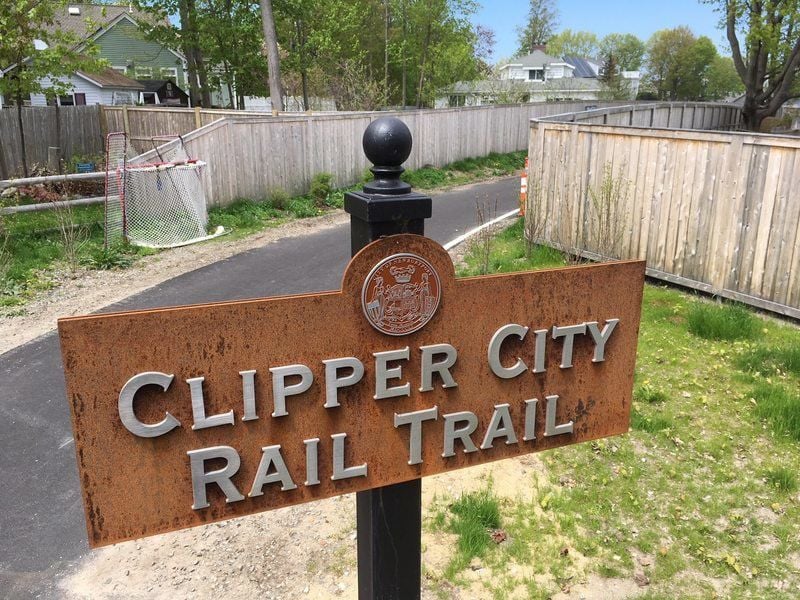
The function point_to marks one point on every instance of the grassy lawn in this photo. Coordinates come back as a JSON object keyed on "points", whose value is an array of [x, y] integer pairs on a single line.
{"points": [[34, 251], [699, 500]]}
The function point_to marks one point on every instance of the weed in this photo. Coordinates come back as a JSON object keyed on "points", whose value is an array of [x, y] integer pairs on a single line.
{"points": [[117, 256], [727, 321], [474, 515], [779, 407], [302, 208], [482, 242], [426, 177], [73, 236], [321, 188], [607, 216], [278, 198], [779, 358], [653, 424], [649, 394], [781, 478]]}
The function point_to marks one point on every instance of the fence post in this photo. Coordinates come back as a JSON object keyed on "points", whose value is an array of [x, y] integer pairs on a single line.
{"points": [[389, 519], [126, 123], [198, 119]]}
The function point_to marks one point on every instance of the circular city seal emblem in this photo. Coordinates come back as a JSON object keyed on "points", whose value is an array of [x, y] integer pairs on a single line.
{"points": [[401, 294]]}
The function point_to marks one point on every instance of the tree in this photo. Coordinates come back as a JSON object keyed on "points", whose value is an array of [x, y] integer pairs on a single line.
{"points": [[43, 56], [628, 49], [539, 26], [723, 80], [573, 43], [273, 58], [615, 87], [678, 64], [765, 45]]}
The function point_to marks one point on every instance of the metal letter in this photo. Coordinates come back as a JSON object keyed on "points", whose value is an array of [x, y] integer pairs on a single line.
{"points": [[550, 427], [280, 390], [312, 456], [125, 405], [415, 419], [462, 433], [199, 408], [333, 382], [601, 337], [568, 333], [530, 420], [271, 456], [541, 344], [249, 395], [495, 344], [442, 367], [499, 426], [222, 477], [382, 374], [339, 470]]}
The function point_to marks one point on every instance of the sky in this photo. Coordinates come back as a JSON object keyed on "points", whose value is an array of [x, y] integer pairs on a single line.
{"points": [[601, 17]]}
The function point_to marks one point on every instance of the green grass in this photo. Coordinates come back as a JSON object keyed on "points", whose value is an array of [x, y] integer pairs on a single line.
{"points": [[780, 407], [466, 170], [701, 495], [471, 518], [782, 479], [727, 321]]}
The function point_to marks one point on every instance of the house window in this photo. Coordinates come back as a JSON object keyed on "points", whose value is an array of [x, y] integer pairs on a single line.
{"points": [[144, 72], [536, 74], [456, 101], [67, 100], [170, 73]]}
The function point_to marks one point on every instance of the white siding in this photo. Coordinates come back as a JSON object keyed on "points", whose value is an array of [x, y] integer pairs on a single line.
{"points": [[94, 94]]}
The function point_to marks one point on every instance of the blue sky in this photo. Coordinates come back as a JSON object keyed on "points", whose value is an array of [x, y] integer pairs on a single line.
{"points": [[642, 18]]}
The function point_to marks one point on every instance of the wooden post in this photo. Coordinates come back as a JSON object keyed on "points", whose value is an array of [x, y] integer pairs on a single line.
{"points": [[126, 123], [389, 519], [198, 118]]}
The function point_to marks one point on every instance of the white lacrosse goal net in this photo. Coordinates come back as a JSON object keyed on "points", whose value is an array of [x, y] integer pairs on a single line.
{"points": [[159, 204]]}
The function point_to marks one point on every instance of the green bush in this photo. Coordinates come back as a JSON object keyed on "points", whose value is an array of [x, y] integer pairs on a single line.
{"points": [[321, 187], [302, 208], [728, 321], [278, 198]]}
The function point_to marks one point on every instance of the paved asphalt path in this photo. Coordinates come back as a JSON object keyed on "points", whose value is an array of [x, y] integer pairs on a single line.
{"points": [[42, 530]]}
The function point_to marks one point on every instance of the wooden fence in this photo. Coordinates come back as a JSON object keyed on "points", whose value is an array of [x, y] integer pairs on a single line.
{"points": [[75, 129], [248, 156], [670, 115], [719, 212]]}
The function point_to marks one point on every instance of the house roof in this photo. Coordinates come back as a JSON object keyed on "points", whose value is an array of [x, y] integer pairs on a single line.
{"points": [[109, 78], [536, 59], [155, 85], [583, 66], [93, 17]]}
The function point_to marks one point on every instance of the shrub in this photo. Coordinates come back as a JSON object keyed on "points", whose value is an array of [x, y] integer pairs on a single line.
{"points": [[114, 257], [279, 198], [302, 208], [321, 187], [729, 321]]}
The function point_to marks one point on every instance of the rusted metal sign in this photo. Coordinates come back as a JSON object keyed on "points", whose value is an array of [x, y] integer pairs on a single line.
{"points": [[185, 416]]}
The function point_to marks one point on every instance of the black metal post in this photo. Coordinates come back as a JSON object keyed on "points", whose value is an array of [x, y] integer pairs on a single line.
{"points": [[389, 519]]}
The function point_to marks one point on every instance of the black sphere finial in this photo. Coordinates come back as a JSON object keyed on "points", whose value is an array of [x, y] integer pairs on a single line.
{"points": [[387, 144]]}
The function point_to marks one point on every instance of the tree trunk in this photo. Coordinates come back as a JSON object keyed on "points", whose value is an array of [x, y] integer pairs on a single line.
{"points": [[422, 63], [58, 137], [191, 66], [386, 53], [273, 58], [405, 69], [23, 152], [202, 75]]}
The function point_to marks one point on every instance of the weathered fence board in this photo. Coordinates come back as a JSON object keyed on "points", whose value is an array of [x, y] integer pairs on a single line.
{"points": [[75, 129], [717, 211]]}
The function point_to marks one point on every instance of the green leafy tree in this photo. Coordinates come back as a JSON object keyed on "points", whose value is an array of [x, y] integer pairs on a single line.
{"points": [[678, 64], [539, 27], [764, 36], [723, 80], [573, 43], [615, 87], [42, 56], [628, 49]]}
